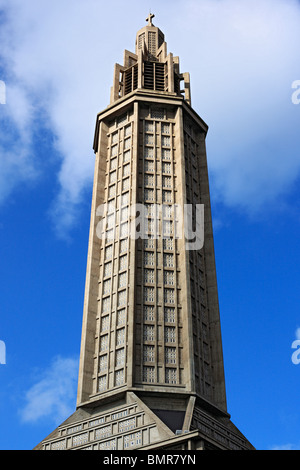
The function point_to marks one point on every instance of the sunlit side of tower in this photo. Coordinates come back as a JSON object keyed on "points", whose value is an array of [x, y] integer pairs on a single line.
{"points": [[151, 367]]}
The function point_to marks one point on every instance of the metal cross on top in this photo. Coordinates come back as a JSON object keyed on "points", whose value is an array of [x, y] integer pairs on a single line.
{"points": [[149, 19]]}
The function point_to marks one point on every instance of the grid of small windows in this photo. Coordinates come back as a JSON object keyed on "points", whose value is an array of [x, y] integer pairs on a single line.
{"points": [[122, 298], [125, 184], [105, 323], [120, 357], [166, 168], [168, 260], [170, 375], [103, 432], [119, 377], [120, 336], [96, 422], [112, 319], [133, 440], [170, 334], [169, 313], [122, 119], [148, 353], [103, 363], [197, 266], [149, 276], [157, 113], [127, 143], [123, 245], [113, 163], [107, 286], [114, 137], [149, 294], [125, 198], [167, 211], [158, 181], [167, 228], [124, 230], [126, 169], [166, 141], [149, 152], [58, 445], [127, 130], [103, 343], [124, 214], [121, 316], [170, 355], [165, 128], [107, 269], [80, 439], [123, 279], [108, 445], [168, 244], [114, 150], [126, 156], [167, 182], [148, 333], [149, 165], [169, 296], [123, 262], [149, 243], [149, 194], [102, 383], [167, 196], [127, 424], [149, 139], [169, 277], [113, 176], [74, 429], [105, 304], [149, 126], [166, 154], [148, 312], [149, 179], [120, 414], [149, 374], [112, 191], [108, 252], [148, 258]]}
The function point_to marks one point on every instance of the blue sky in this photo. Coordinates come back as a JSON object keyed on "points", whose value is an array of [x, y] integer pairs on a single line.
{"points": [[56, 60]]}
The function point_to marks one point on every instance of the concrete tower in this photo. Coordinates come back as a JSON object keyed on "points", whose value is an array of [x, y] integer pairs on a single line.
{"points": [[151, 370]]}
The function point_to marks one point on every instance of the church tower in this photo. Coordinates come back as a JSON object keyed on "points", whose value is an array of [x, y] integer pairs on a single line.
{"points": [[151, 372]]}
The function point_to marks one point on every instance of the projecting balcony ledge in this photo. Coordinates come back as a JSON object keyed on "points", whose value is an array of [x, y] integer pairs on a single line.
{"points": [[160, 98], [167, 95]]}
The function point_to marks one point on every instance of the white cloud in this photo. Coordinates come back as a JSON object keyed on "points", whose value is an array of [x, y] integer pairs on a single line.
{"points": [[286, 447], [242, 86], [53, 396], [242, 57], [53, 63]]}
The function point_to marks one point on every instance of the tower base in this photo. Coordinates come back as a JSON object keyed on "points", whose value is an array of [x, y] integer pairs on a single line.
{"points": [[136, 420]]}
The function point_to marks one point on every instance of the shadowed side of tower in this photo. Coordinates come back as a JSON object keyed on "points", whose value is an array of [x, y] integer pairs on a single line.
{"points": [[151, 364]]}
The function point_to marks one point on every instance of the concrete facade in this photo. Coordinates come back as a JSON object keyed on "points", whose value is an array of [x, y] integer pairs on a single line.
{"points": [[151, 366]]}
